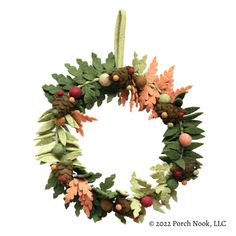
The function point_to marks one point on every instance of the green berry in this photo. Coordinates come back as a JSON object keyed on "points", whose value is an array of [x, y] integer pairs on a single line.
{"points": [[164, 98], [178, 102], [196, 172], [172, 183], [58, 150], [170, 125], [55, 112]]}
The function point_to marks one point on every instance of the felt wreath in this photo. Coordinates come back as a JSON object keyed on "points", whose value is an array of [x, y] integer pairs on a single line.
{"points": [[89, 84]]}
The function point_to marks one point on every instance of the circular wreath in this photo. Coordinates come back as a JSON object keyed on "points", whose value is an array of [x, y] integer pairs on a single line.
{"points": [[90, 84]]}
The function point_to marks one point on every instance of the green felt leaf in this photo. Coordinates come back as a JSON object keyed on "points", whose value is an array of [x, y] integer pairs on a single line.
{"points": [[61, 135], [97, 63], [181, 163], [52, 181], [50, 88], [174, 145], [78, 207], [165, 159], [157, 206], [181, 95], [136, 207], [174, 195], [164, 193], [192, 154], [172, 154], [63, 80], [105, 193], [193, 146], [48, 125], [77, 163], [172, 131], [89, 94], [70, 156], [70, 137], [58, 190], [94, 177], [110, 63], [108, 183], [171, 138], [121, 218], [73, 70], [110, 97], [161, 172], [192, 116], [47, 158], [45, 149], [190, 110], [70, 120], [139, 64], [196, 137], [83, 66], [193, 130], [191, 123]]}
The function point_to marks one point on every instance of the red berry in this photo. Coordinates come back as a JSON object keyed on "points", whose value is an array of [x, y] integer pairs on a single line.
{"points": [[146, 201], [178, 173], [131, 70], [75, 92], [59, 92], [62, 179], [181, 115]]}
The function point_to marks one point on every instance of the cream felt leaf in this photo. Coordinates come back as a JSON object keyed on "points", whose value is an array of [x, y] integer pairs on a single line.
{"points": [[157, 206], [49, 125], [164, 192], [71, 121], [70, 156], [139, 64], [47, 158], [61, 135], [161, 172], [136, 207], [45, 149]]}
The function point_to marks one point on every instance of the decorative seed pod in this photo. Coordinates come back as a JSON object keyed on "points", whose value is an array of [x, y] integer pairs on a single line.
{"points": [[105, 80]]}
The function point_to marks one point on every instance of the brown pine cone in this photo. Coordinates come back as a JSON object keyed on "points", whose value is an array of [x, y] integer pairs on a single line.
{"points": [[171, 110], [63, 105], [125, 207], [64, 170], [124, 77]]}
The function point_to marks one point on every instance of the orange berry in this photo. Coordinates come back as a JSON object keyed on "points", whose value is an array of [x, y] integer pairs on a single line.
{"points": [[164, 115], [53, 167], [185, 140], [184, 182], [118, 207], [115, 77], [60, 121], [72, 99]]}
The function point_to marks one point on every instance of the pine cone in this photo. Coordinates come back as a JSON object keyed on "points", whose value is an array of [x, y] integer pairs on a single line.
{"points": [[63, 105], [126, 209], [172, 111], [125, 77], [64, 170]]}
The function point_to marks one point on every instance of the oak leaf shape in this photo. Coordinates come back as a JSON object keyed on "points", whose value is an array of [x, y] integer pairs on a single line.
{"points": [[81, 188], [134, 96], [124, 94], [79, 118]]}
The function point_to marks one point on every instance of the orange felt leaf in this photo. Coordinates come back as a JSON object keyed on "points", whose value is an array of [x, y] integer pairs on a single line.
{"points": [[124, 94], [153, 115], [178, 91], [149, 94], [134, 97], [79, 118], [166, 82], [83, 189]]}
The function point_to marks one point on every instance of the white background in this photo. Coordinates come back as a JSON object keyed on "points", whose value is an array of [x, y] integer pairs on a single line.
{"points": [[38, 37]]}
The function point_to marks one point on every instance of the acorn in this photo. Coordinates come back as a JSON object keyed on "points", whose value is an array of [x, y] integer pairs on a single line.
{"points": [[72, 99], [146, 201], [58, 150], [172, 183], [140, 81], [106, 205], [184, 182], [164, 98], [185, 140], [75, 92], [60, 121], [53, 167], [104, 80]]}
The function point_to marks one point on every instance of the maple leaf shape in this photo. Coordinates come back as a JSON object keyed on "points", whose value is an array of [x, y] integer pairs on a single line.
{"points": [[79, 118], [166, 82], [83, 190], [149, 94], [124, 94]]}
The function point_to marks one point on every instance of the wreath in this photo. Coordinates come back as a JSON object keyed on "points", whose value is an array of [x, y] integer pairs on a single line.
{"points": [[89, 84]]}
